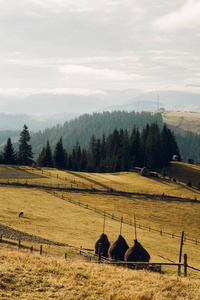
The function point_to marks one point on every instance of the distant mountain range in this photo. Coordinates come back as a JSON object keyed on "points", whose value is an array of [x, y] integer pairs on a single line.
{"points": [[41, 111], [168, 100]]}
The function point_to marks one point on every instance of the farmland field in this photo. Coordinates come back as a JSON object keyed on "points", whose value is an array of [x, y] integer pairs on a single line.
{"points": [[188, 121], [63, 208]]}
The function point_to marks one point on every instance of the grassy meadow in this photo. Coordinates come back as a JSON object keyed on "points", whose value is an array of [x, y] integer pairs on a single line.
{"points": [[188, 121], [53, 217], [31, 276]]}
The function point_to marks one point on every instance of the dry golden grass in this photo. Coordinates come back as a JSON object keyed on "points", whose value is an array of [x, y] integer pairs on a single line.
{"points": [[185, 172], [187, 121], [126, 182], [31, 276], [54, 218]]}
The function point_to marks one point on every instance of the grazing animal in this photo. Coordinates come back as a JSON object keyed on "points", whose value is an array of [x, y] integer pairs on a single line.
{"points": [[118, 249], [105, 245], [21, 213]]}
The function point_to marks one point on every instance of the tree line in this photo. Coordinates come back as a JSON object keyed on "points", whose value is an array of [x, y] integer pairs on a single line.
{"points": [[120, 151], [24, 156], [82, 128]]}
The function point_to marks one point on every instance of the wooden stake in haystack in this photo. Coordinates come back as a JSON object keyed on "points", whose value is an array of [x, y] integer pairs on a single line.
{"points": [[119, 247], [103, 240], [136, 253]]}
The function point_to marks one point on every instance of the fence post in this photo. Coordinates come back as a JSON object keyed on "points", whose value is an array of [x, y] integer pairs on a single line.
{"points": [[181, 247], [185, 264], [65, 255], [99, 252], [41, 249], [31, 248], [19, 243], [1, 237], [80, 250]]}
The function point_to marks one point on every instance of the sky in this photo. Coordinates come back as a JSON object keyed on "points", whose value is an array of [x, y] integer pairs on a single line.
{"points": [[87, 47]]}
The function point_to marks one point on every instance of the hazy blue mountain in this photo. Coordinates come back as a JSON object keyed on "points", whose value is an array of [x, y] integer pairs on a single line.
{"points": [[169, 100], [108, 100], [34, 122]]}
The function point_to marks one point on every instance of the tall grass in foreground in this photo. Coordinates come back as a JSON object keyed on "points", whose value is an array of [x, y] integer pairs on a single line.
{"points": [[27, 275]]}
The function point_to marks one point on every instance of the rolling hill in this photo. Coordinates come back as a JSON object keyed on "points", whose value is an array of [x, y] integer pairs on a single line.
{"points": [[65, 210]]}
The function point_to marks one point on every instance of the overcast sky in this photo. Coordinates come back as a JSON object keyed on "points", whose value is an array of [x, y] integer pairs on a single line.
{"points": [[90, 46]]}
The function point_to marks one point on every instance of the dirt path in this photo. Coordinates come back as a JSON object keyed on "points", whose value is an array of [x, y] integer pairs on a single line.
{"points": [[18, 174], [14, 234]]}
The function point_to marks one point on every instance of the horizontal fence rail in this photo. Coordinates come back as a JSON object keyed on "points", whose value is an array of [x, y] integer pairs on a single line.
{"points": [[125, 221], [138, 264], [74, 185]]}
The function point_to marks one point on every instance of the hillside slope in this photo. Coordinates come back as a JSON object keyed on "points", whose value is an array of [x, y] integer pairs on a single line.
{"points": [[69, 208], [182, 121], [30, 276]]}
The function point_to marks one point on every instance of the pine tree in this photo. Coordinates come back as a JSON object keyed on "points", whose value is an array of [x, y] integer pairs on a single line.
{"points": [[153, 148], [25, 154], [9, 154], [135, 148], [83, 160], [59, 156], [91, 155], [143, 140], [40, 159], [45, 156], [48, 160]]}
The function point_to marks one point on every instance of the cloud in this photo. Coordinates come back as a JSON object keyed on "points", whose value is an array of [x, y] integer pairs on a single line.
{"points": [[74, 70], [19, 92], [68, 6], [188, 16]]}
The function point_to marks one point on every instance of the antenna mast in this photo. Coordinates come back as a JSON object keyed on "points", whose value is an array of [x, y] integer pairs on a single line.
{"points": [[158, 103]]}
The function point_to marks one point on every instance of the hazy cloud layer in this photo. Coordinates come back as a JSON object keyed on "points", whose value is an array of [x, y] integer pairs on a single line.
{"points": [[89, 46]]}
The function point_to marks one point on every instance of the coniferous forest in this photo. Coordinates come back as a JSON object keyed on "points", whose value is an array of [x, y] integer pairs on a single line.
{"points": [[104, 142], [120, 151]]}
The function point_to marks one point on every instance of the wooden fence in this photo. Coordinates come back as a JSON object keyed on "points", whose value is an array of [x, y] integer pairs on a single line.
{"points": [[126, 221], [64, 187], [100, 258], [19, 244], [136, 265]]}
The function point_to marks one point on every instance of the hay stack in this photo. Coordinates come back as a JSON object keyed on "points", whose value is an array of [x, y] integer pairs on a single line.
{"points": [[144, 171], [137, 253], [105, 244], [118, 249]]}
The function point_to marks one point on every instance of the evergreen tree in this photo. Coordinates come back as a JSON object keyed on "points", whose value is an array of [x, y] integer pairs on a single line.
{"points": [[91, 167], [40, 159], [45, 156], [59, 157], [102, 166], [9, 154], [76, 157], [1, 158], [83, 160], [143, 140], [48, 160], [153, 148], [135, 148], [25, 154], [125, 150]]}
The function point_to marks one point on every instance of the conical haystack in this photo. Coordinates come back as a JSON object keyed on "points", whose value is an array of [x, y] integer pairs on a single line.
{"points": [[137, 253], [105, 245], [118, 249]]}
